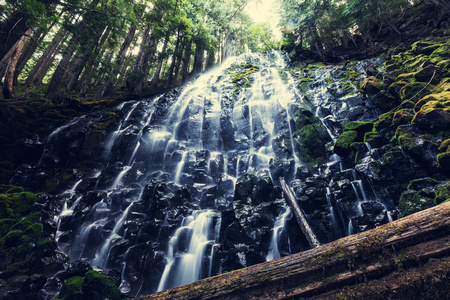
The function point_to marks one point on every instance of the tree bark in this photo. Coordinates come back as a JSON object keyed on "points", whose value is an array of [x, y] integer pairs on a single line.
{"points": [[186, 61], [299, 215], [161, 58], [174, 61], [28, 52], [41, 67], [405, 259], [60, 70], [108, 87], [9, 75], [198, 58], [12, 30]]}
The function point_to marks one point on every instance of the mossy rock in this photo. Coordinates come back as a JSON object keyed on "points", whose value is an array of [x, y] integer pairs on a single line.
{"points": [[22, 203], [72, 289], [424, 47], [5, 225], [311, 143], [422, 183], [384, 128], [413, 91], [358, 126], [385, 101], [12, 238], [372, 85], [359, 149], [27, 221], [442, 193], [403, 117], [412, 201], [445, 146], [374, 139], [343, 143], [16, 269], [5, 208], [441, 51], [33, 232], [443, 160], [15, 189], [433, 115], [394, 88], [98, 287]]}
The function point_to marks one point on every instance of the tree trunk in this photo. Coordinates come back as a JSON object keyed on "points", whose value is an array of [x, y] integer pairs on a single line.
{"points": [[186, 61], [299, 215], [30, 48], [174, 61], [9, 75], [108, 87], [145, 66], [41, 67], [178, 65], [12, 30], [198, 58], [161, 58], [210, 61], [5, 61], [144, 51], [405, 259], [60, 70]]}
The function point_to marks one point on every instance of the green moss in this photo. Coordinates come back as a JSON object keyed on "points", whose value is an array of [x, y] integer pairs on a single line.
{"points": [[16, 269], [72, 289], [412, 202], [417, 184], [22, 203], [413, 91], [374, 139], [343, 143], [34, 232], [5, 208], [98, 287], [15, 189], [50, 185], [360, 127], [311, 143], [443, 160], [12, 238], [372, 85], [445, 146], [442, 193], [5, 225], [403, 117], [27, 221]]}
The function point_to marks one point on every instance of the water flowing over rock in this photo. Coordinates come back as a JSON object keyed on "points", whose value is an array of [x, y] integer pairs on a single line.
{"points": [[185, 185]]}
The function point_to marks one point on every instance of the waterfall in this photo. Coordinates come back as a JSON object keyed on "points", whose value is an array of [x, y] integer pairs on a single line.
{"points": [[185, 185]]}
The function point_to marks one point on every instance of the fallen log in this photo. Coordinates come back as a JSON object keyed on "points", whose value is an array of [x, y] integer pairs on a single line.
{"points": [[299, 215], [407, 258]]}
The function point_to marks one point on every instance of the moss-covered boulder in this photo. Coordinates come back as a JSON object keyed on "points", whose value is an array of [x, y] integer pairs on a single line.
{"points": [[433, 115], [412, 201], [372, 86], [442, 192], [97, 286], [72, 289], [343, 143], [443, 161]]}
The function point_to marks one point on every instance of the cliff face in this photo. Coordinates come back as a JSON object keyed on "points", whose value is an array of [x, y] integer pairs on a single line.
{"points": [[406, 259]]}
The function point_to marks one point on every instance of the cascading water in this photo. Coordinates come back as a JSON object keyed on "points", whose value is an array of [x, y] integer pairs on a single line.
{"points": [[184, 186]]}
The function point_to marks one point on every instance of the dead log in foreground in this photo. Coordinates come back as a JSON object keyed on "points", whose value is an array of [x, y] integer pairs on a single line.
{"points": [[406, 259], [299, 215]]}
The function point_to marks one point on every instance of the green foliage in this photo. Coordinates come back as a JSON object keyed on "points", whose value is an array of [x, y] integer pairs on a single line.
{"points": [[72, 289], [412, 201], [98, 287]]}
